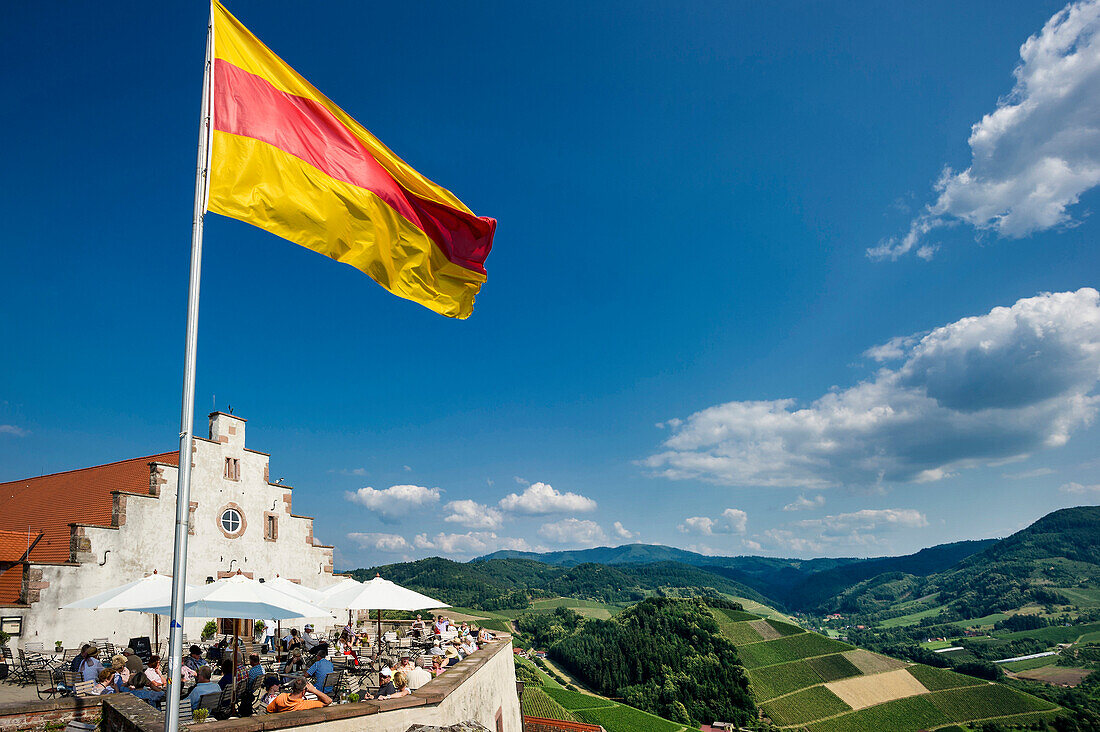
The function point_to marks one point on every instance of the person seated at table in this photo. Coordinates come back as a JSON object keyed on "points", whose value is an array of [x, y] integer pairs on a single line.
{"points": [[118, 666], [463, 629], [205, 686], [452, 655], [309, 640], [437, 647], [292, 640], [153, 675], [104, 683], [484, 636], [295, 700], [385, 683], [469, 645], [437, 665], [133, 662], [400, 687], [91, 666], [227, 674], [194, 659], [272, 688], [139, 687], [418, 624], [418, 677], [405, 664], [78, 660], [294, 662], [321, 668], [440, 625], [216, 652], [255, 670]]}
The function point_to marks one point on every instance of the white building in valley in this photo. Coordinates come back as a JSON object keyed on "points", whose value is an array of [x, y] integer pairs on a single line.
{"points": [[70, 535]]}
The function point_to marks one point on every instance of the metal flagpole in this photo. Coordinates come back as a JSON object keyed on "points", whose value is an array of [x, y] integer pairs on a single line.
{"points": [[187, 415]]}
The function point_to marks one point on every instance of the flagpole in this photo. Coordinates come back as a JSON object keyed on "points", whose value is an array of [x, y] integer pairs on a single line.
{"points": [[187, 413]]}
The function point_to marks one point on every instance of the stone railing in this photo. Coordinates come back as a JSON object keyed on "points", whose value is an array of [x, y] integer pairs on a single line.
{"points": [[36, 715], [481, 687]]}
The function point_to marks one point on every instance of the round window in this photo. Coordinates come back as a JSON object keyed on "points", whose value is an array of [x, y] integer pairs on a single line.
{"points": [[231, 520]]}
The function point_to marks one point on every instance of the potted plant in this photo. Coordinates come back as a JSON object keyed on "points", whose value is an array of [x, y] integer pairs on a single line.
{"points": [[353, 697], [57, 646], [209, 630], [199, 715]]}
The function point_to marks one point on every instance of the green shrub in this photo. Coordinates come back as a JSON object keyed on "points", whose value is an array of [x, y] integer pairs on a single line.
{"points": [[209, 630]]}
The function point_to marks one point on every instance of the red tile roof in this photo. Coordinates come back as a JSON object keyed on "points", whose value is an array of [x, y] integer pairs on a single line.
{"points": [[14, 544], [11, 584], [49, 503]]}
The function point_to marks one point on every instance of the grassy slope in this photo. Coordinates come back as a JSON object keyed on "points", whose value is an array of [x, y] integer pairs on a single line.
{"points": [[612, 716], [792, 692]]}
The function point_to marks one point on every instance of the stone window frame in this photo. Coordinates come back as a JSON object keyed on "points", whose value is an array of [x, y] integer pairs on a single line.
{"points": [[271, 519], [244, 522], [232, 469]]}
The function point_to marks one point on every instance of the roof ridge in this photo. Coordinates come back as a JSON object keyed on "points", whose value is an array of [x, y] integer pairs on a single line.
{"points": [[92, 467]]}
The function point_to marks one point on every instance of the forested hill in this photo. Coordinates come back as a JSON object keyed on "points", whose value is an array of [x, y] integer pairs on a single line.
{"points": [[508, 583], [1060, 550]]}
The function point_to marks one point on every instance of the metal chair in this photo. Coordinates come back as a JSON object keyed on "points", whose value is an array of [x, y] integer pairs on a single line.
{"points": [[186, 713], [44, 684]]}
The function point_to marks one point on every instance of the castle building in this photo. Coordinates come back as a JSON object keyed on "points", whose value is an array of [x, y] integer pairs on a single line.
{"points": [[67, 536]]}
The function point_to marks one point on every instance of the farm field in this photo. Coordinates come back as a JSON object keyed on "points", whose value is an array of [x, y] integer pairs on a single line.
{"points": [[911, 618], [587, 608], [1056, 675], [1086, 597], [1055, 633], [806, 680], [1029, 664], [612, 716], [537, 703]]}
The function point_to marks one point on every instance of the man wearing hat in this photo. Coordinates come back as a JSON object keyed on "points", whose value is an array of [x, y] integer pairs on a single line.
{"points": [[385, 682], [309, 641], [452, 655], [89, 670], [133, 663]]}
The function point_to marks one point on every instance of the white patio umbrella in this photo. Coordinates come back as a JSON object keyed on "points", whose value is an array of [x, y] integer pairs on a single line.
{"points": [[240, 597], [379, 594], [344, 584], [294, 590], [155, 589]]}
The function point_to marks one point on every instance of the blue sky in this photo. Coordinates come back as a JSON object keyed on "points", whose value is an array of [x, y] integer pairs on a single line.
{"points": [[702, 210]]}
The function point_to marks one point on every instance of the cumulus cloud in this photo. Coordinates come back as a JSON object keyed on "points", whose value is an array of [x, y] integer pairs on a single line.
{"points": [[473, 515], [396, 500], [1037, 152], [732, 521], [805, 504], [857, 530], [471, 543], [622, 532], [573, 531], [541, 498], [1079, 489], [980, 390], [13, 430], [381, 542], [869, 519]]}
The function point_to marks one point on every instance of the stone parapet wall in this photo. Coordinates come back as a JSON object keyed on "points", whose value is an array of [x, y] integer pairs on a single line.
{"points": [[35, 715]]}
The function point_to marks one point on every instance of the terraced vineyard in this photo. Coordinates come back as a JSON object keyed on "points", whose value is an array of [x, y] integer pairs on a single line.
{"points": [[612, 716], [805, 680]]}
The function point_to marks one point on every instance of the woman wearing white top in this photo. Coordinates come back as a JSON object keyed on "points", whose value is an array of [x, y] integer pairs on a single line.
{"points": [[91, 666]]}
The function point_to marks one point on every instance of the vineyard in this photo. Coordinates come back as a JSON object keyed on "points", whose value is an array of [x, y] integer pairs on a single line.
{"points": [[537, 703], [612, 716], [803, 680]]}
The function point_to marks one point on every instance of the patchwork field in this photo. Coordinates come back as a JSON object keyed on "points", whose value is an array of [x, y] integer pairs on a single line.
{"points": [[803, 680], [612, 716], [1056, 675], [866, 691]]}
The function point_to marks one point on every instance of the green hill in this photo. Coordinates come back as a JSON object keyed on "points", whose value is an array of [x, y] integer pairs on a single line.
{"points": [[1055, 561], [804, 680]]}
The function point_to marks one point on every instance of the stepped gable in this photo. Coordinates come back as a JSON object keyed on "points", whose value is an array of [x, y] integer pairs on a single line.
{"points": [[49, 503]]}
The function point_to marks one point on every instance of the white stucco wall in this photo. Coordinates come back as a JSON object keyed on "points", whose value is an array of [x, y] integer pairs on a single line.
{"points": [[492, 687], [142, 542]]}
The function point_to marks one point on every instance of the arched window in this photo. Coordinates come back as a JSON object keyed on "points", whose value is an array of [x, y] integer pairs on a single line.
{"points": [[231, 521]]}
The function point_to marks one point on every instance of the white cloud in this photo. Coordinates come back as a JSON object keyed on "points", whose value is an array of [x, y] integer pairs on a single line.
{"points": [[13, 430], [859, 530], [395, 500], [622, 532], [1037, 152], [1078, 488], [472, 543], [752, 546], [868, 519], [541, 498], [805, 504], [406, 468], [1037, 473], [732, 521], [573, 531], [381, 542], [473, 515], [982, 389]]}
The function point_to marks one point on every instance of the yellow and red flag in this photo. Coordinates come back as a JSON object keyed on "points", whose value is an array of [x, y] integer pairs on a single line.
{"points": [[286, 159]]}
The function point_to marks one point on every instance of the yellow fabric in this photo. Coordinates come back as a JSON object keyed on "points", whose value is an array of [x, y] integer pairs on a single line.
{"points": [[236, 44], [342, 221]]}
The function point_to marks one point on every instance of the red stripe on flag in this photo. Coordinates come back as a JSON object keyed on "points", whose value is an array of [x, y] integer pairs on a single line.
{"points": [[248, 105]]}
